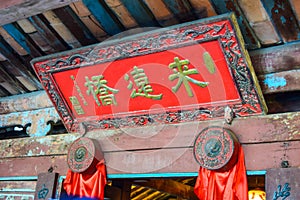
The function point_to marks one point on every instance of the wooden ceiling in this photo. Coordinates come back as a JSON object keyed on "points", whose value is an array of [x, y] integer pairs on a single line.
{"points": [[33, 28]]}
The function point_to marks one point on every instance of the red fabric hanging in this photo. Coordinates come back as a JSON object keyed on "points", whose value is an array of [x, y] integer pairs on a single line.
{"points": [[228, 185], [87, 185]]}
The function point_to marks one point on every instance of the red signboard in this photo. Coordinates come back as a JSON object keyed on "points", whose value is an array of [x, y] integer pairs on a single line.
{"points": [[182, 73]]}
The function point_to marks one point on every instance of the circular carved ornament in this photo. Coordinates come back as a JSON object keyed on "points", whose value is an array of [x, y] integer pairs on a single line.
{"points": [[83, 153], [216, 148]]}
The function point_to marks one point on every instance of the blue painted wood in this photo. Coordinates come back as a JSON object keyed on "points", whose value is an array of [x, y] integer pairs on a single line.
{"points": [[17, 35], [5, 49], [281, 13], [107, 20], [140, 13]]}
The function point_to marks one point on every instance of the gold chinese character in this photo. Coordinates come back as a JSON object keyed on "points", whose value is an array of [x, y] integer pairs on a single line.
{"points": [[76, 105], [143, 87], [98, 86], [182, 72]]}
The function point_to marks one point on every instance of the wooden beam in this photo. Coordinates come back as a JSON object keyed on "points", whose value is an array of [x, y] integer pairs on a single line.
{"points": [[276, 59], [172, 187], [264, 129], [286, 81], [180, 160], [268, 128], [15, 10], [25, 102], [160, 149]]}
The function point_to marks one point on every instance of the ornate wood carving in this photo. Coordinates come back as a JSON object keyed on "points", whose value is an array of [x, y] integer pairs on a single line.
{"points": [[222, 29]]}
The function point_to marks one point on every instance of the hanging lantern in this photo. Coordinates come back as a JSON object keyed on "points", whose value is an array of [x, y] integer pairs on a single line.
{"points": [[257, 194]]}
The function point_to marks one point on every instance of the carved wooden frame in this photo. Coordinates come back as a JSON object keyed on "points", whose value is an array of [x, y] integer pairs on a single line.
{"points": [[222, 28]]}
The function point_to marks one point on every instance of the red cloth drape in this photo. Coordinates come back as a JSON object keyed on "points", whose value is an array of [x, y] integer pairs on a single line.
{"points": [[227, 185], [89, 185]]}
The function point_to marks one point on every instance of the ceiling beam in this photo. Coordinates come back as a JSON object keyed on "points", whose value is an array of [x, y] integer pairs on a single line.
{"points": [[14, 10]]}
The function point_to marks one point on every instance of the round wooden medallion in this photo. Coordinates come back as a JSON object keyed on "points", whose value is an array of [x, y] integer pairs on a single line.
{"points": [[216, 148], [83, 153]]}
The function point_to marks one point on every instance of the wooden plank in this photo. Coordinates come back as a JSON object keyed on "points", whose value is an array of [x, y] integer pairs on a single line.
{"points": [[157, 161], [14, 44], [61, 29], [7, 185], [39, 41], [75, 25], [160, 11], [45, 30], [276, 59], [15, 10], [107, 20], [15, 66], [182, 160], [18, 36], [259, 21], [122, 13], [296, 8], [24, 102], [283, 102], [264, 129], [33, 166], [10, 83], [89, 20], [285, 81], [284, 19], [182, 10], [203, 4], [250, 37], [22, 78], [140, 13]]}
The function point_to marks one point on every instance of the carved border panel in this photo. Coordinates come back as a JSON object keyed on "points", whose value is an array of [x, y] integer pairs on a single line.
{"points": [[222, 29]]}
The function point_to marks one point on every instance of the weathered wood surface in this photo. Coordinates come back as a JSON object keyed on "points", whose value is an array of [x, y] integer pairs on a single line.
{"points": [[21, 189], [159, 149], [276, 59], [259, 21], [15, 10], [157, 161], [36, 122], [30, 101], [286, 81]]}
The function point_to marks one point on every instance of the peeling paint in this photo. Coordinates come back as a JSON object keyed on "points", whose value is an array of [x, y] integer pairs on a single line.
{"points": [[273, 82], [29, 153]]}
